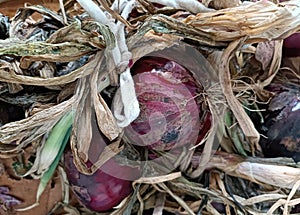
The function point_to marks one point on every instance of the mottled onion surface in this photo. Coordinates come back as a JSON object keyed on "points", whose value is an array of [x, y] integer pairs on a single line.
{"points": [[100, 191], [171, 103], [282, 125]]}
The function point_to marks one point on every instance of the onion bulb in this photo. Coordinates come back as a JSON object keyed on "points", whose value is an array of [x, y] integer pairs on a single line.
{"points": [[172, 111]]}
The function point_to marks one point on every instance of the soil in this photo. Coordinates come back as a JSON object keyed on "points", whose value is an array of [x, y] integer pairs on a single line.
{"points": [[25, 190]]}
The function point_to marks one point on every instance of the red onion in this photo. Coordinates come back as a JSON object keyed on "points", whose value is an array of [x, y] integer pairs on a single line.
{"points": [[171, 107], [108, 186], [100, 191], [292, 41], [291, 46], [282, 125]]}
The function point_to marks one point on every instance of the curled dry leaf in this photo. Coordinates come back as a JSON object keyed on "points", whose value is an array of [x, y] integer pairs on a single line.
{"points": [[262, 20], [90, 106], [59, 47], [21, 130], [285, 175], [258, 21], [243, 119]]}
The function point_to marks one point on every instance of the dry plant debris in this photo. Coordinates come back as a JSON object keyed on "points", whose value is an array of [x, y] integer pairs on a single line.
{"points": [[65, 77]]}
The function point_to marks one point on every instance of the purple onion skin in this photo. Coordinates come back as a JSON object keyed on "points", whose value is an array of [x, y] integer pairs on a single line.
{"points": [[290, 52], [292, 41], [109, 185], [101, 191], [291, 46], [161, 86], [282, 125]]}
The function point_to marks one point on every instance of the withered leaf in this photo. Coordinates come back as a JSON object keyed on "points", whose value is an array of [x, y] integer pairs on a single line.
{"points": [[26, 99], [41, 51], [11, 77], [255, 20], [243, 119], [17, 135], [88, 33]]}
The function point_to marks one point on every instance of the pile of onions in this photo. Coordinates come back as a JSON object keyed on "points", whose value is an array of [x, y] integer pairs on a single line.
{"points": [[172, 115]]}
